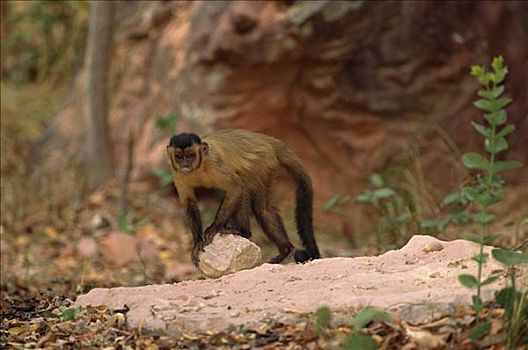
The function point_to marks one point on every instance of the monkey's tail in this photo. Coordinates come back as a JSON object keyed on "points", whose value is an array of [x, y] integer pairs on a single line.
{"points": [[303, 204]]}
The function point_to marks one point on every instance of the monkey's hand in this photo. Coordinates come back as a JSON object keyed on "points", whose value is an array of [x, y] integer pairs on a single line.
{"points": [[196, 251], [209, 234]]}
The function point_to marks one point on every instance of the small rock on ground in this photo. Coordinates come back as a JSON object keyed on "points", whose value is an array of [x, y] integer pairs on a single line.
{"points": [[229, 253]]}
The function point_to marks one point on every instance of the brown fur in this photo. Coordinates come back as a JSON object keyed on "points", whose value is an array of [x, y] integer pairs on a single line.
{"points": [[243, 164]]}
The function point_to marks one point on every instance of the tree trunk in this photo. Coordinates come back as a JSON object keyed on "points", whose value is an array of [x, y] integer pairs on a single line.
{"points": [[98, 148]]}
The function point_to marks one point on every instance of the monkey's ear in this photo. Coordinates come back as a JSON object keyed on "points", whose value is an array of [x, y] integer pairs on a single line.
{"points": [[204, 147]]}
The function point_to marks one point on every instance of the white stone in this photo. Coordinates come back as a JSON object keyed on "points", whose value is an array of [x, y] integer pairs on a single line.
{"points": [[229, 253]]}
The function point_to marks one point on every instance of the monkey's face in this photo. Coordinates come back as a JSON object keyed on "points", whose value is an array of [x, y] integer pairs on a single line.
{"points": [[188, 159]]}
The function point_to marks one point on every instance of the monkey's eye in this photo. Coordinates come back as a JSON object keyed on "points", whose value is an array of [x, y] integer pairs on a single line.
{"points": [[190, 156], [179, 156]]}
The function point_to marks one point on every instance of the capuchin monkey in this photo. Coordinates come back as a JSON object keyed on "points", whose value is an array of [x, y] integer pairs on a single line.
{"points": [[243, 165]]}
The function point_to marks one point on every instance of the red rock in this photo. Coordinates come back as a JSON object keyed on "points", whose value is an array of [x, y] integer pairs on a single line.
{"points": [[121, 249], [87, 247]]}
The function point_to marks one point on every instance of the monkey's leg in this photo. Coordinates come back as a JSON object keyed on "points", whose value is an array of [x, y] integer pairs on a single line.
{"points": [[271, 223], [241, 219], [225, 212]]}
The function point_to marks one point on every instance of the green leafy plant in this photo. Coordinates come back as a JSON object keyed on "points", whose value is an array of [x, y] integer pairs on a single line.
{"points": [[487, 187], [357, 341], [124, 222], [456, 205], [515, 303], [164, 176], [64, 313], [127, 223], [166, 123], [323, 317], [392, 215]]}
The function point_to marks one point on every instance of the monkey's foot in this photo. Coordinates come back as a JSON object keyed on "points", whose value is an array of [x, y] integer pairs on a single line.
{"points": [[236, 231], [209, 235], [281, 257], [196, 251]]}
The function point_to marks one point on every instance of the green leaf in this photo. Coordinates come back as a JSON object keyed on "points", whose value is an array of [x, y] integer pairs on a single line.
{"points": [[487, 94], [491, 238], [164, 176], [483, 218], [323, 317], [491, 94], [497, 91], [359, 342], [489, 198], [452, 198], [365, 197], [484, 198], [497, 63], [499, 75], [470, 193], [486, 132], [478, 305], [475, 161], [484, 104], [489, 280], [505, 165], [384, 193], [493, 105], [474, 238], [480, 258], [468, 281], [496, 118], [124, 222], [459, 218], [369, 314], [485, 78], [506, 298], [496, 146], [70, 313], [477, 71], [494, 181], [167, 123], [333, 201], [432, 224], [480, 330], [506, 130], [62, 308], [499, 103], [376, 180], [510, 257]]}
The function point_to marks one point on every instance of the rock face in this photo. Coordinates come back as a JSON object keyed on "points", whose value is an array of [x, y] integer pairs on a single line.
{"points": [[347, 85], [418, 282], [229, 253]]}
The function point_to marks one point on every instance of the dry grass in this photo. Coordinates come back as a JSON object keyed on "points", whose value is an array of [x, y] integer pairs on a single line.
{"points": [[25, 111]]}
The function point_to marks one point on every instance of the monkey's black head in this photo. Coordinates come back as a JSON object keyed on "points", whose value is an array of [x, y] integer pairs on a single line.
{"points": [[184, 140], [185, 152]]}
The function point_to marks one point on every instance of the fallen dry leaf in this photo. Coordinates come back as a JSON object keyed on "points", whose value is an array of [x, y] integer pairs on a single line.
{"points": [[424, 339]]}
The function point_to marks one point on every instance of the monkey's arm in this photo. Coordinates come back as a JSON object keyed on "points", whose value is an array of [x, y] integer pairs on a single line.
{"points": [[195, 223], [225, 212]]}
